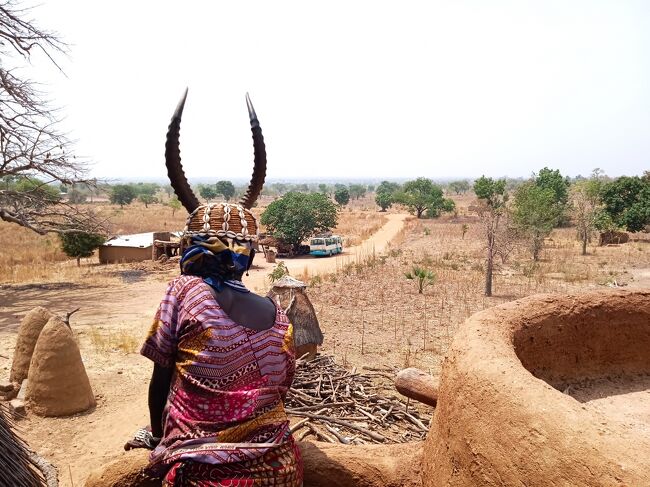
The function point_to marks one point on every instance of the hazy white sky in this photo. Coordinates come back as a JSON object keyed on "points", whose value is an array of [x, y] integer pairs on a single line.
{"points": [[357, 88]]}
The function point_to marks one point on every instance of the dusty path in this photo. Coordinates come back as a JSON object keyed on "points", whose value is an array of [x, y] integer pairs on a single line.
{"points": [[140, 293], [376, 243], [113, 320]]}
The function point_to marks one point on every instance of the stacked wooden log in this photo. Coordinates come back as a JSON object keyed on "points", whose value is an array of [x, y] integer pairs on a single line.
{"points": [[337, 405]]}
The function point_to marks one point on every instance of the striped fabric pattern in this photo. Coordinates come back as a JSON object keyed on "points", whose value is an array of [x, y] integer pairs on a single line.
{"points": [[226, 402]]}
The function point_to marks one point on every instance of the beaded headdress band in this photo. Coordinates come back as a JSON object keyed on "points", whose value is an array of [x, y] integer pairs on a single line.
{"points": [[222, 220]]}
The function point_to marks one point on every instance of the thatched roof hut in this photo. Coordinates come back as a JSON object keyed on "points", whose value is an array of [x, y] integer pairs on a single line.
{"points": [[290, 294], [17, 465]]}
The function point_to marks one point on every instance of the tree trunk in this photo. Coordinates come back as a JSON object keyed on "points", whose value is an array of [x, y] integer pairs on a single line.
{"points": [[537, 247], [585, 237], [78, 261], [489, 265]]}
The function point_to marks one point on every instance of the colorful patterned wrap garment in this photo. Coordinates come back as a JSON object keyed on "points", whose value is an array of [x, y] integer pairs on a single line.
{"points": [[224, 422]]}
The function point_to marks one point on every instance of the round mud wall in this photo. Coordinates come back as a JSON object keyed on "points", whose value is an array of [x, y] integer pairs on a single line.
{"points": [[506, 414]]}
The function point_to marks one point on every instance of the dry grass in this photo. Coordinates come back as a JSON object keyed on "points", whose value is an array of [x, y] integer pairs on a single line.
{"points": [[355, 226], [26, 257], [23, 253], [405, 328], [114, 340], [368, 295]]}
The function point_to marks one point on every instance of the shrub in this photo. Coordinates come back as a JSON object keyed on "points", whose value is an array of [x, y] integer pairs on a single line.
{"points": [[422, 277]]}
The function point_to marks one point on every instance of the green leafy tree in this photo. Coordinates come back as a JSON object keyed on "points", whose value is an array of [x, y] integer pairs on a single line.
{"points": [[122, 194], [459, 187], [342, 196], [447, 206], [384, 200], [297, 216], [174, 204], [323, 188], [491, 209], [41, 194], [421, 195], [280, 188], [169, 190], [149, 189], [422, 277], [626, 202], [536, 212], [385, 194], [357, 191], [226, 189], [80, 244], [552, 180], [208, 192], [147, 199]]}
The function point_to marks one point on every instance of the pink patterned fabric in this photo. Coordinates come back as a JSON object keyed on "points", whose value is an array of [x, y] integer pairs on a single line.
{"points": [[226, 401]]}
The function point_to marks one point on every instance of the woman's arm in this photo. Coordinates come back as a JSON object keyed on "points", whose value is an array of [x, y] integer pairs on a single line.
{"points": [[158, 391]]}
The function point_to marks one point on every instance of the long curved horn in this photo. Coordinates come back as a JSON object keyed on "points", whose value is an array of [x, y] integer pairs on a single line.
{"points": [[259, 167], [173, 161]]}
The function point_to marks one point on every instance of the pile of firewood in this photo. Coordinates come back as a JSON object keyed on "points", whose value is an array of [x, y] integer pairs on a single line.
{"points": [[347, 406]]}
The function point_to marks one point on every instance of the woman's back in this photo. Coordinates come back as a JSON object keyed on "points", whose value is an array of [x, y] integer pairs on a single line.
{"points": [[226, 397]]}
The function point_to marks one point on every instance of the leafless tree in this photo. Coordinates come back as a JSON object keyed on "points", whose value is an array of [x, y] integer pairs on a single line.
{"points": [[585, 205], [34, 153], [506, 237]]}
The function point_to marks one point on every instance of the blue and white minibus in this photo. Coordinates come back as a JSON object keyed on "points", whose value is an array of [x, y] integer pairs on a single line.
{"points": [[326, 246]]}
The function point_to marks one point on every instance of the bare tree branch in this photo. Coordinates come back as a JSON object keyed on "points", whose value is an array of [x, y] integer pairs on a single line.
{"points": [[34, 153]]}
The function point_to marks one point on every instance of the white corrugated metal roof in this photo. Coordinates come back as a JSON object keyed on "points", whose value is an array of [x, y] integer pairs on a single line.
{"points": [[141, 240]]}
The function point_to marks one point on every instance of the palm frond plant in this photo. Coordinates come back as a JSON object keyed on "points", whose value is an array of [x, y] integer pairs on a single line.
{"points": [[421, 276]]}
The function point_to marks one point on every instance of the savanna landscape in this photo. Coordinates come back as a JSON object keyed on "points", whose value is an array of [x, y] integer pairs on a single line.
{"points": [[372, 316], [449, 210]]}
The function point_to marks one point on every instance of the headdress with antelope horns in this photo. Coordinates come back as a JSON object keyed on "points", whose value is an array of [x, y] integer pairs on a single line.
{"points": [[221, 219]]}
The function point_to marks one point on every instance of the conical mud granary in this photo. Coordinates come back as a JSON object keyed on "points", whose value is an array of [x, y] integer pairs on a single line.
{"points": [[57, 382], [28, 333]]}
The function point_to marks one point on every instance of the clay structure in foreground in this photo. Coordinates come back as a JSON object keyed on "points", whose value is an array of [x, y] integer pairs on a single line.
{"points": [[547, 390]]}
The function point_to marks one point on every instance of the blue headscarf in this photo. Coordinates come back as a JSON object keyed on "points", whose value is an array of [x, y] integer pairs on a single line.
{"points": [[218, 261]]}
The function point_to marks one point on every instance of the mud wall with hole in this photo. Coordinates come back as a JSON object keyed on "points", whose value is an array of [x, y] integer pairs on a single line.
{"points": [[502, 418]]}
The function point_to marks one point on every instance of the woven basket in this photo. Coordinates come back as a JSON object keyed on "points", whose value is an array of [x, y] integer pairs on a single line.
{"points": [[223, 220]]}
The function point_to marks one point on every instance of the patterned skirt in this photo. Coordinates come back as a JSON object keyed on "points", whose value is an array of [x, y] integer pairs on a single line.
{"points": [[281, 466]]}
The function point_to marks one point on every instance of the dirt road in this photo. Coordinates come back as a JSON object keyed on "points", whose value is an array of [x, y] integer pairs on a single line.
{"points": [[376, 243], [112, 322]]}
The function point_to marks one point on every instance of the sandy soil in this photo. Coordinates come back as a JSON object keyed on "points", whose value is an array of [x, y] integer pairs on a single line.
{"points": [[110, 311], [622, 400]]}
